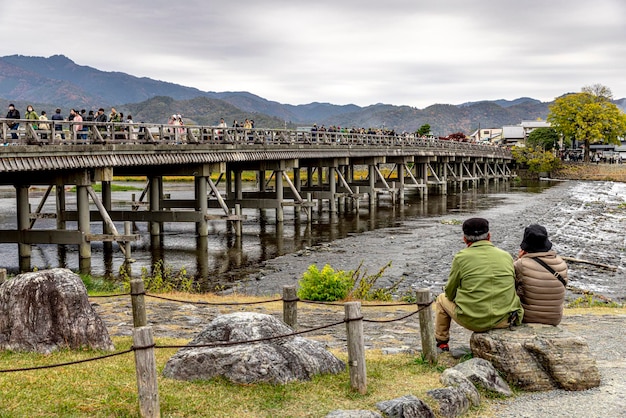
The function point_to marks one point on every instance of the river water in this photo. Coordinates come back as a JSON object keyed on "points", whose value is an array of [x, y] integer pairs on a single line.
{"points": [[585, 219]]}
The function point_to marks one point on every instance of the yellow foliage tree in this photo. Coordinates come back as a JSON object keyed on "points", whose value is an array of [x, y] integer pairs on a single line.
{"points": [[588, 117]]}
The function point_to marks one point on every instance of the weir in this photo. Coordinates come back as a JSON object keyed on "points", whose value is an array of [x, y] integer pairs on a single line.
{"points": [[304, 170]]}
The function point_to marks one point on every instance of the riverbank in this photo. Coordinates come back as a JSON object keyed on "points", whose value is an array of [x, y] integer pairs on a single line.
{"points": [[591, 171]]}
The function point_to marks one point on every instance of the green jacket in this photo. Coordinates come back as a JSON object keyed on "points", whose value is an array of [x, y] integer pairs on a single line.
{"points": [[482, 285]]}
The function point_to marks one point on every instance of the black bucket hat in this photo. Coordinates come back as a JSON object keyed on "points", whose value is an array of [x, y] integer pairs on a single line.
{"points": [[535, 239]]}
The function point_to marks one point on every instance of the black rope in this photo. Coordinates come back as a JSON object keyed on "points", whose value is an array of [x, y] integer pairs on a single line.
{"points": [[399, 318], [212, 303], [51, 366]]}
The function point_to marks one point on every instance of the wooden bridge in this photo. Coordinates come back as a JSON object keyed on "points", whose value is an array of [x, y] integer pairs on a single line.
{"points": [[292, 168]]}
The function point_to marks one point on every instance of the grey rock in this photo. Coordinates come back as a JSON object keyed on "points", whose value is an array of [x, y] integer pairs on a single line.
{"points": [[482, 373], [538, 357], [274, 360], [354, 413], [453, 377], [48, 310], [452, 401], [407, 406]]}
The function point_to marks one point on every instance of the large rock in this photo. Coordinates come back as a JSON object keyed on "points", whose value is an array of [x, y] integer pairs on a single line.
{"points": [[482, 373], [277, 360], [407, 406], [48, 310], [538, 357]]}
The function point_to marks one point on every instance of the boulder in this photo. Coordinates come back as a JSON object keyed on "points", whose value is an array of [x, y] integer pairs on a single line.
{"points": [[482, 373], [537, 357], [48, 310], [407, 406], [453, 377], [452, 401], [277, 360]]}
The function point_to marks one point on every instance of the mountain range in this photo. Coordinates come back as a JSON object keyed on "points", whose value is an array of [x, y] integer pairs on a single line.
{"points": [[57, 81]]}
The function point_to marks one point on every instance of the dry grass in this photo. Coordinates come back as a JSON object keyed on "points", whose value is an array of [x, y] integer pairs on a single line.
{"points": [[107, 388]]}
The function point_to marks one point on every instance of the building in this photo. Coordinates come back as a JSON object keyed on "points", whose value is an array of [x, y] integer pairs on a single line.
{"points": [[492, 135], [518, 134]]}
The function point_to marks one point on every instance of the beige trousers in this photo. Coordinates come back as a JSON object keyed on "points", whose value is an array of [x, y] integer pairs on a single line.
{"points": [[445, 312]]}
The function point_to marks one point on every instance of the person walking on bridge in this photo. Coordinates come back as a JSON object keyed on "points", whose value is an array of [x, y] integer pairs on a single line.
{"points": [[480, 293], [58, 127], [13, 113], [31, 115]]}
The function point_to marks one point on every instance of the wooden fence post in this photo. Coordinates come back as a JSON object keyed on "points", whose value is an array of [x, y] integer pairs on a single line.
{"points": [[356, 347], [145, 364], [290, 306], [137, 298], [145, 360], [427, 327]]}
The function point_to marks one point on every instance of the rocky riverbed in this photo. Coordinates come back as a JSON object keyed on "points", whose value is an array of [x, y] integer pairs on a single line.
{"points": [[585, 221]]}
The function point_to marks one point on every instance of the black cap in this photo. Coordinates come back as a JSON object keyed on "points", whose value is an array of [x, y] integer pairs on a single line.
{"points": [[475, 226], [535, 239]]}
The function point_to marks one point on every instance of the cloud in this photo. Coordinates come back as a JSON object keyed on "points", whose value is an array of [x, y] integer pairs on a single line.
{"points": [[400, 52]]}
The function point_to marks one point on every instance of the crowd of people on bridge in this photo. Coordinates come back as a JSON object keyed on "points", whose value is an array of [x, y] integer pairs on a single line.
{"points": [[41, 121]]}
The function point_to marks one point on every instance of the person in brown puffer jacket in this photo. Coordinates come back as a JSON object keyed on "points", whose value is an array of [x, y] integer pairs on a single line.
{"points": [[541, 292]]}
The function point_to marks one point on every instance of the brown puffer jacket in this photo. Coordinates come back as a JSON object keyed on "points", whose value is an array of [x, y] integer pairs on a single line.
{"points": [[541, 293]]}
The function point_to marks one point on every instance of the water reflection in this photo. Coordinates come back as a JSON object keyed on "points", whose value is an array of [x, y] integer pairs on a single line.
{"points": [[223, 257]]}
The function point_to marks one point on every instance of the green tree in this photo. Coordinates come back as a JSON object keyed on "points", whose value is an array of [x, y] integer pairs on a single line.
{"points": [[424, 130], [588, 117], [546, 138], [535, 159]]}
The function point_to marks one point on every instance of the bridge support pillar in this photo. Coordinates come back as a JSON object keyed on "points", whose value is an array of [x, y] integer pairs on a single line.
{"points": [[372, 179], [320, 184], [60, 205], [261, 180], [332, 182], [202, 204], [238, 185], [156, 194], [278, 177], [84, 249], [23, 222], [401, 181], [444, 178]]}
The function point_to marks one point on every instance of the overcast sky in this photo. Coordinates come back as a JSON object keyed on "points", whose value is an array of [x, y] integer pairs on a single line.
{"points": [[400, 52]]}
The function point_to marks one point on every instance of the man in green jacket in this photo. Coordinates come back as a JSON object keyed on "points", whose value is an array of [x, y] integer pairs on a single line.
{"points": [[480, 293]]}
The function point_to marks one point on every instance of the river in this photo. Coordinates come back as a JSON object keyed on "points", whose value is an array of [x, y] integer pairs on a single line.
{"points": [[585, 220]]}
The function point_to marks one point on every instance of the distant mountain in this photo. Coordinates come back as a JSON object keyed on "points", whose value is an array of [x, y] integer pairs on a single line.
{"points": [[57, 81], [505, 103]]}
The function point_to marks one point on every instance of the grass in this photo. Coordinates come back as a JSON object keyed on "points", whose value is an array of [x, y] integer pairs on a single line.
{"points": [[107, 388]]}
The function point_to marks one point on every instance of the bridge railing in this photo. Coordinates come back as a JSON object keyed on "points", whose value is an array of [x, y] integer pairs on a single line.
{"points": [[29, 132]]}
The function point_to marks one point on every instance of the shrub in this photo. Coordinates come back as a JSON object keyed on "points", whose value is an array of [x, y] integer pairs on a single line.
{"points": [[329, 285], [326, 285]]}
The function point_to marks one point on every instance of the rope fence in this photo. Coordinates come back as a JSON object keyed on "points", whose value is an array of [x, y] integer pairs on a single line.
{"points": [[144, 346]]}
